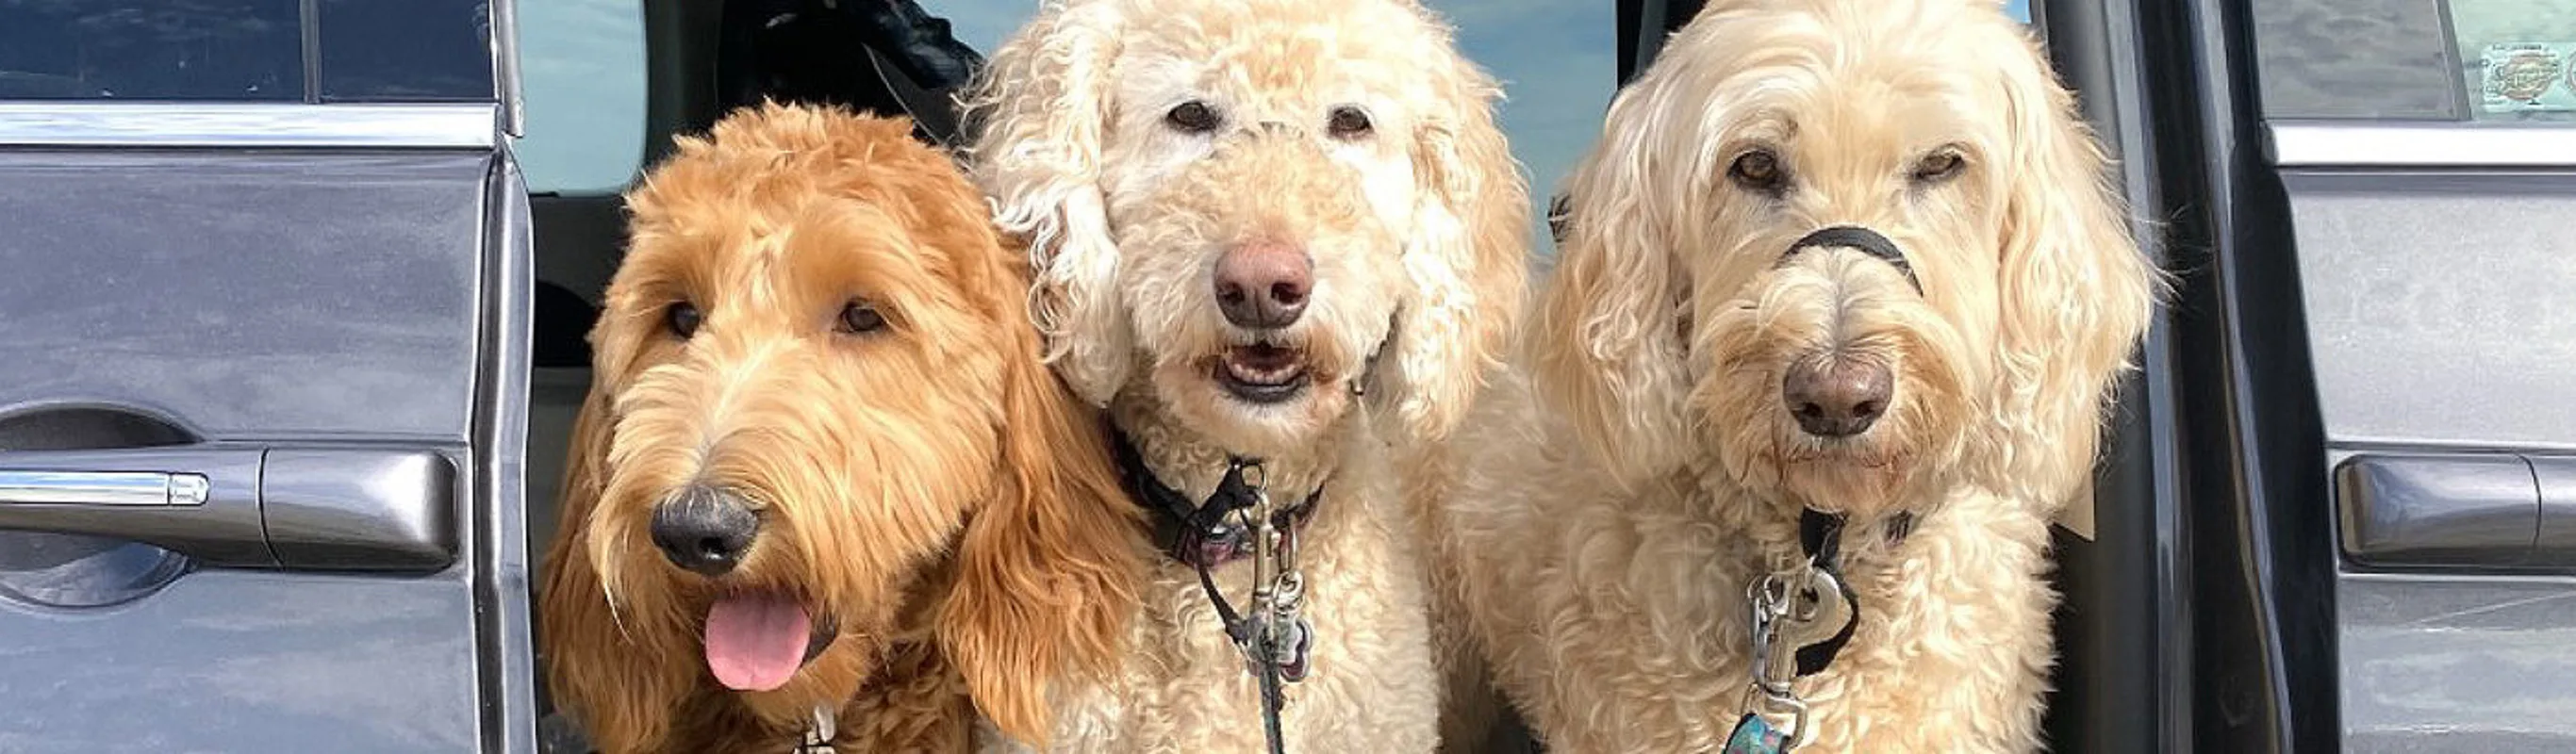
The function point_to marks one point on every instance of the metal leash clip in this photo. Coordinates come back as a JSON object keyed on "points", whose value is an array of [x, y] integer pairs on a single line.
{"points": [[1287, 613], [818, 739], [1279, 635], [1790, 611], [1274, 636]]}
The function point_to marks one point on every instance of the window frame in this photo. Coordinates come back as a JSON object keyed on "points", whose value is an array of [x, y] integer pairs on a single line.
{"points": [[2464, 140], [307, 122]]}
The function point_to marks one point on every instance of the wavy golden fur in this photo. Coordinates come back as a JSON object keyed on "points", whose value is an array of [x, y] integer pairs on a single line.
{"points": [[1618, 497], [928, 484]]}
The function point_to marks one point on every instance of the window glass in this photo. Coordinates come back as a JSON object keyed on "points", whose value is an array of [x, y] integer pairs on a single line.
{"points": [[1557, 61], [2020, 10], [407, 50], [582, 83], [2375, 59], [2520, 58], [2460, 60], [151, 49]]}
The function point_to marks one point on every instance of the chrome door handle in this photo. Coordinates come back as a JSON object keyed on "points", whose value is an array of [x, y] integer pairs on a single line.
{"points": [[101, 488], [301, 507]]}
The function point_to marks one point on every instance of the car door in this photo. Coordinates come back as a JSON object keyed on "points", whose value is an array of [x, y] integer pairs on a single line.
{"points": [[2408, 252], [262, 317]]}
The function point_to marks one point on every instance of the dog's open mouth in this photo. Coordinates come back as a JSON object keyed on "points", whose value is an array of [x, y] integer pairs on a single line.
{"points": [[1262, 373], [756, 641]]}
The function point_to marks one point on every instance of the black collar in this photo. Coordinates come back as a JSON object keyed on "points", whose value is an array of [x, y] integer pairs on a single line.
{"points": [[1204, 534]]}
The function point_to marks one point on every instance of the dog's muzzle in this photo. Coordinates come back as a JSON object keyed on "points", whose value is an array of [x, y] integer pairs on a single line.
{"points": [[1854, 237]]}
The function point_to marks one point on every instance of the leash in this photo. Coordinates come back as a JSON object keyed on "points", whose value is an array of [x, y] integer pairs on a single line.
{"points": [[1239, 520], [1812, 613]]}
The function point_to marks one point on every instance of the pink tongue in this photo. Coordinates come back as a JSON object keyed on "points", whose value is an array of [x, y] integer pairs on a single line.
{"points": [[755, 642]]}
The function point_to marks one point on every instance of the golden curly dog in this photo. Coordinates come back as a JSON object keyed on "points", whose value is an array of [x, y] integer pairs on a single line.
{"points": [[823, 469], [1272, 229], [1855, 257]]}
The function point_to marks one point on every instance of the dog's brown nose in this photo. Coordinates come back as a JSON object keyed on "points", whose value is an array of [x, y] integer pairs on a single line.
{"points": [[704, 529], [1263, 285], [1835, 397]]}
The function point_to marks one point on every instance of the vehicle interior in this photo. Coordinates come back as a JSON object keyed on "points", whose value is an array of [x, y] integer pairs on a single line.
{"points": [[701, 59], [2336, 510], [2201, 593]]}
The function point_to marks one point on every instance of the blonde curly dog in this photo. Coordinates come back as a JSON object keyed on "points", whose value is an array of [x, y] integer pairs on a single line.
{"points": [[1275, 229], [1710, 360], [823, 470]]}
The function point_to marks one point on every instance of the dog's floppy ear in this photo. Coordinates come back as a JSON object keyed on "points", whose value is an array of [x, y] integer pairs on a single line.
{"points": [[1039, 111], [1605, 347], [1047, 570], [2076, 292], [613, 689], [1469, 259]]}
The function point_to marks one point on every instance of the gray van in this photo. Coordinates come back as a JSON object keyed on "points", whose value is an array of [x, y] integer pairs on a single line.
{"points": [[292, 295]]}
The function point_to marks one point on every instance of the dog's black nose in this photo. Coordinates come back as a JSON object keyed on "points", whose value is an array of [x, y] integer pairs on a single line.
{"points": [[1263, 285], [704, 529], [1835, 397]]}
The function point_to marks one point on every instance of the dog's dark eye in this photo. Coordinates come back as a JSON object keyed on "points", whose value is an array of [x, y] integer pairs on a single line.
{"points": [[1940, 166], [1348, 123], [1193, 117], [1758, 170], [681, 319], [858, 317]]}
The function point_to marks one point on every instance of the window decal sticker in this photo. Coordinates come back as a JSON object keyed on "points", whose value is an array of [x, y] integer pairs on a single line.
{"points": [[2523, 77]]}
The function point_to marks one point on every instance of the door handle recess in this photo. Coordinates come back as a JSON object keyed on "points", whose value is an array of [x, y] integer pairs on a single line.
{"points": [[360, 508]]}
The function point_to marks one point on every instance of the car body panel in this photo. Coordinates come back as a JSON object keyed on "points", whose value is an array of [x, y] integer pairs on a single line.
{"points": [[248, 661], [2457, 663], [326, 305], [2439, 328], [2438, 306], [254, 295]]}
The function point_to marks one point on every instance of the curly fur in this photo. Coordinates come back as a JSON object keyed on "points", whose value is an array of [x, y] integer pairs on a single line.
{"points": [[1416, 230], [931, 484], [1613, 499]]}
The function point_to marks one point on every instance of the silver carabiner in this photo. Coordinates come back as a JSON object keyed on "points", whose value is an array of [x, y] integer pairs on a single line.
{"points": [[1770, 606]]}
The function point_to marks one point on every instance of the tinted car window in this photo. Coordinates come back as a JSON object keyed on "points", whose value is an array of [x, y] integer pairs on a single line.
{"points": [[1558, 62], [2465, 60], [582, 79], [151, 49], [407, 50], [2381, 59]]}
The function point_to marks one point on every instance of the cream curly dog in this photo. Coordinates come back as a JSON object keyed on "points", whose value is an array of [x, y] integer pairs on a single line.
{"points": [[1854, 257], [1271, 229]]}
